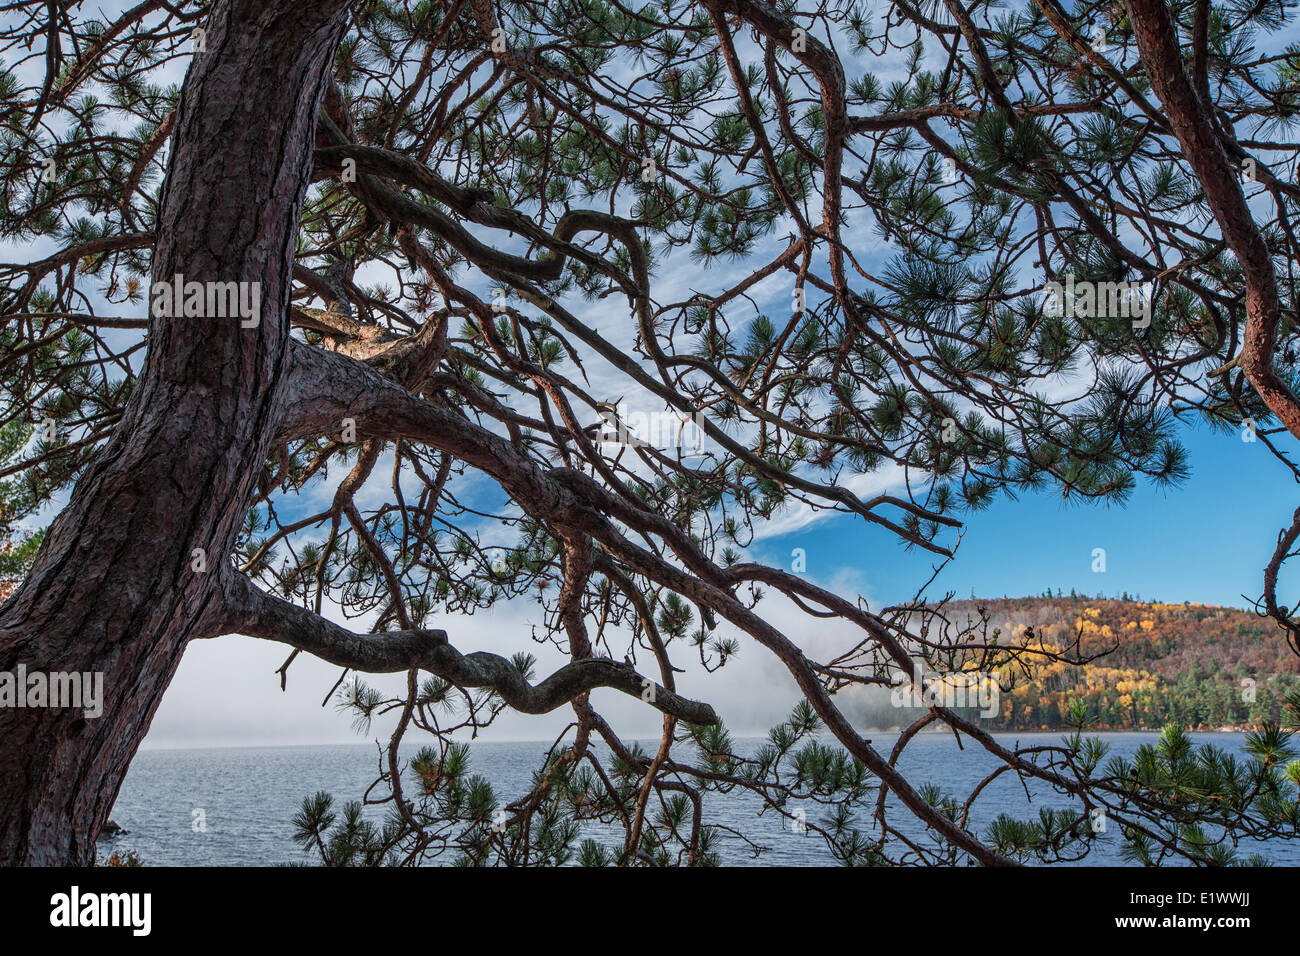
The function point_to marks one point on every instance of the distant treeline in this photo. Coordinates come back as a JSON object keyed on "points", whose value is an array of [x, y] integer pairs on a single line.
{"points": [[1197, 665]]}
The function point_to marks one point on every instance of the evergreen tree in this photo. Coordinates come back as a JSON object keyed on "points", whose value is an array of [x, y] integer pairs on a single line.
{"points": [[441, 245]]}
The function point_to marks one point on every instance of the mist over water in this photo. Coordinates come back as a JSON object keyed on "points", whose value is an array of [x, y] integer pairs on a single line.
{"points": [[249, 797]]}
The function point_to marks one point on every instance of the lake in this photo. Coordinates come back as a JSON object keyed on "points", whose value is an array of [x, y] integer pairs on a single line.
{"points": [[248, 797]]}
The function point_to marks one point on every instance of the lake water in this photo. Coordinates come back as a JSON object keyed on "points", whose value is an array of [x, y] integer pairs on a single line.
{"points": [[248, 797]]}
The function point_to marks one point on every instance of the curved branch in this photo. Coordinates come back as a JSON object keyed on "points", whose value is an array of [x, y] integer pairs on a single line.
{"points": [[255, 613], [1162, 59]]}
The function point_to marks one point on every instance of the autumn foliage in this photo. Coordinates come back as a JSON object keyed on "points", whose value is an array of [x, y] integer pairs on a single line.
{"points": [[1146, 664]]}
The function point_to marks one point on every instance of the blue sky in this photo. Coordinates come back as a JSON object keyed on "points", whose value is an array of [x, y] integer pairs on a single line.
{"points": [[1205, 540]]}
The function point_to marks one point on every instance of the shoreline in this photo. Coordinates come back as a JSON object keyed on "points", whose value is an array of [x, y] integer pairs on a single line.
{"points": [[942, 731], [1225, 729]]}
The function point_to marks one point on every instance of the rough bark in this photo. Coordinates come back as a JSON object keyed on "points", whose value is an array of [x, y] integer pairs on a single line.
{"points": [[112, 589]]}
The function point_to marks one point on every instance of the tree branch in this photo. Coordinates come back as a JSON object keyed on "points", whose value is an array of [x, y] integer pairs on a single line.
{"points": [[1157, 42], [324, 385], [251, 611]]}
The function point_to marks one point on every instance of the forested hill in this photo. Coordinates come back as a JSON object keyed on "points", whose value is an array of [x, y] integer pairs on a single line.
{"points": [[1195, 664]]}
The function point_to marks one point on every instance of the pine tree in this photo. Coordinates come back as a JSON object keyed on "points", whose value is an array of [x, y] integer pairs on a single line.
{"points": [[440, 246]]}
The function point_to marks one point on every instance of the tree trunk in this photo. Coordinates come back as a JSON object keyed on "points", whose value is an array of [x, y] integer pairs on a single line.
{"points": [[114, 589]]}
